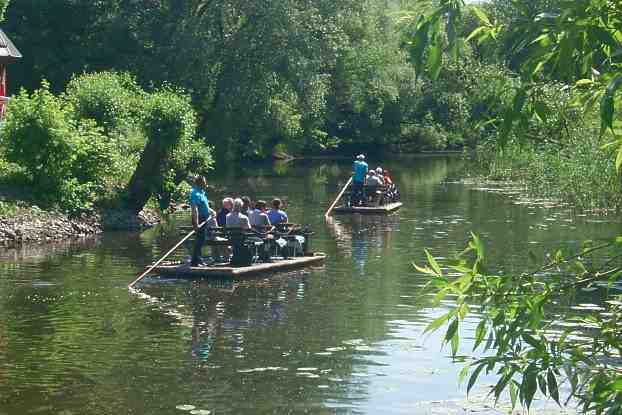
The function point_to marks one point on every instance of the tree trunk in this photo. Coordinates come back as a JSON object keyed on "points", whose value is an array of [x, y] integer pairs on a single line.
{"points": [[148, 176]]}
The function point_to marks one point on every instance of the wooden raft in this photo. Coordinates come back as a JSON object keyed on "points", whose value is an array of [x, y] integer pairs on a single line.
{"points": [[372, 210], [223, 270]]}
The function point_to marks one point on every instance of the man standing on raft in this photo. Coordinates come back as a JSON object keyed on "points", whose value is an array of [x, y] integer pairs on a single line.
{"points": [[200, 213], [359, 169]]}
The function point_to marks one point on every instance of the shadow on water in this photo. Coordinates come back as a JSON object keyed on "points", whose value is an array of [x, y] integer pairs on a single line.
{"points": [[346, 337]]}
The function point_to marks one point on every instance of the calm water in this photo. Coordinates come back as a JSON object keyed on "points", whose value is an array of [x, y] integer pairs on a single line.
{"points": [[345, 337]]}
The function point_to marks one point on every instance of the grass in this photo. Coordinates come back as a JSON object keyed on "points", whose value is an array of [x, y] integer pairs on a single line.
{"points": [[580, 172]]}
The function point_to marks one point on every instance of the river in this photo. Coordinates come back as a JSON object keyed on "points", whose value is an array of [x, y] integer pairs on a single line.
{"points": [[345, 337]]}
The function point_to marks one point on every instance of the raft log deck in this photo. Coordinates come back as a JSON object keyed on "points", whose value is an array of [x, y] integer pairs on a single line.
{"points": [[224, 270], [372, 210]]}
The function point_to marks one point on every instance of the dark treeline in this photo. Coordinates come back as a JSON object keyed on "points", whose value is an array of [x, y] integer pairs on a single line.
{"points": [[321, 76], [291, 76]]}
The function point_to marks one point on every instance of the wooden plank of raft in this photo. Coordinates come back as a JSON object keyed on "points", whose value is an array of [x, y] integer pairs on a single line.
{"points": [[389, 207], [224, 271]]}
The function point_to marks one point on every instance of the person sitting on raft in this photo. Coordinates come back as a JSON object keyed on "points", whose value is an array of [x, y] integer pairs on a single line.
{"points": [[259, 219], [375, 185], [199, 205], [373, 180], [247, 208], [227, 207], [276, 215], [236, 219], [359, 168]]}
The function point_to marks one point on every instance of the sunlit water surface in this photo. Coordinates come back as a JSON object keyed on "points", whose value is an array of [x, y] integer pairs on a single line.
{"points": [[345, 337]]}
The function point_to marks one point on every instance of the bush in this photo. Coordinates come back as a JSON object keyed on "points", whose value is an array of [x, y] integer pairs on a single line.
{"points": [[75, 197], [171, 118], [173, 150], [579, 172], [62, 156], [35, 135], [67, 150], [112, 99]]}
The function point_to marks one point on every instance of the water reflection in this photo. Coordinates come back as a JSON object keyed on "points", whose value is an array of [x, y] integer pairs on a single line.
{"points": [[343, 338], [359, 236]]}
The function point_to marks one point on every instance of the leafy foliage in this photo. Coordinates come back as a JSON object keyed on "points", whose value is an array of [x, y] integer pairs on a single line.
{"points": [[519, 338], [575, 42], [301, 75], [65, 157], [82, 146], [112, 99], [173, 151]]}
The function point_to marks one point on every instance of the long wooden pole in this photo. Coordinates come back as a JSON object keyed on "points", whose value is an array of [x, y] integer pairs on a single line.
{"points": [[159, 261], [338, 198]]}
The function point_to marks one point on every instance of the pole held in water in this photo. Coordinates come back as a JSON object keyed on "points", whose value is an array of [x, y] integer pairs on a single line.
{"points": [[330, 209], [159, 261]]}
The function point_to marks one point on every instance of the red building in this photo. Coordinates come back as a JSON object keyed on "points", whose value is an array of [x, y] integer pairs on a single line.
{"points": [[8, 54]]}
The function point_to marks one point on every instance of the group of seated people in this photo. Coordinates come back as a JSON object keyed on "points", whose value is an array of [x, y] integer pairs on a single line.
{"points": [[252, 220], [240, 213], [378, 189]]}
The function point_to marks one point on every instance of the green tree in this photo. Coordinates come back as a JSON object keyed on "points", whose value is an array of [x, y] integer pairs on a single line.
{"points": [[66, 158], [519, 338], [170, 121]]}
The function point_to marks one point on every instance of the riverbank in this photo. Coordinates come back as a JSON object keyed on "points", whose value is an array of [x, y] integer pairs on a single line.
{"points": [[579, 172], [22, 225]]}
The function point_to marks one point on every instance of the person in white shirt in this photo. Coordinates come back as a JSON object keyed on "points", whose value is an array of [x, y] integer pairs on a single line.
{"points": [[259, 219], [236, 219]]}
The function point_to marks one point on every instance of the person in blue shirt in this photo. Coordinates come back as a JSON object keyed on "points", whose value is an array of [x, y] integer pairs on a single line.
{"points": [[359, 168], [199, 205], [276, 215], [227, 207]]}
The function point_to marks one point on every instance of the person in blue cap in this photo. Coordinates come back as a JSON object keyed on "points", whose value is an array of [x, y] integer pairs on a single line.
{"points": [[199, 205], [359, 168]]}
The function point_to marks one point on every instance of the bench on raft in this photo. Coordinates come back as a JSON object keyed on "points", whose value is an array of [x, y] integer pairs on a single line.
{"points": [[252, 246], [375, 204]]}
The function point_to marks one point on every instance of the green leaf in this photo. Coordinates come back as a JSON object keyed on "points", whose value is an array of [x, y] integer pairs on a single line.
{"points": [[479, 33], [480, 332], [529, 385], [420, 43], [607, 104], [474, 377], [502, 384], [452, 330], [513, 393], [544, 40], [463, 310], [481, 15], [424, 270], [463, 373], [542, 384], [439, 296], [477, 245], [533, 342], [437, 323], [435, 59], [583, 82], [603, 36], [433, 264], [455, 343], [552, 384], [617, 384]]}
